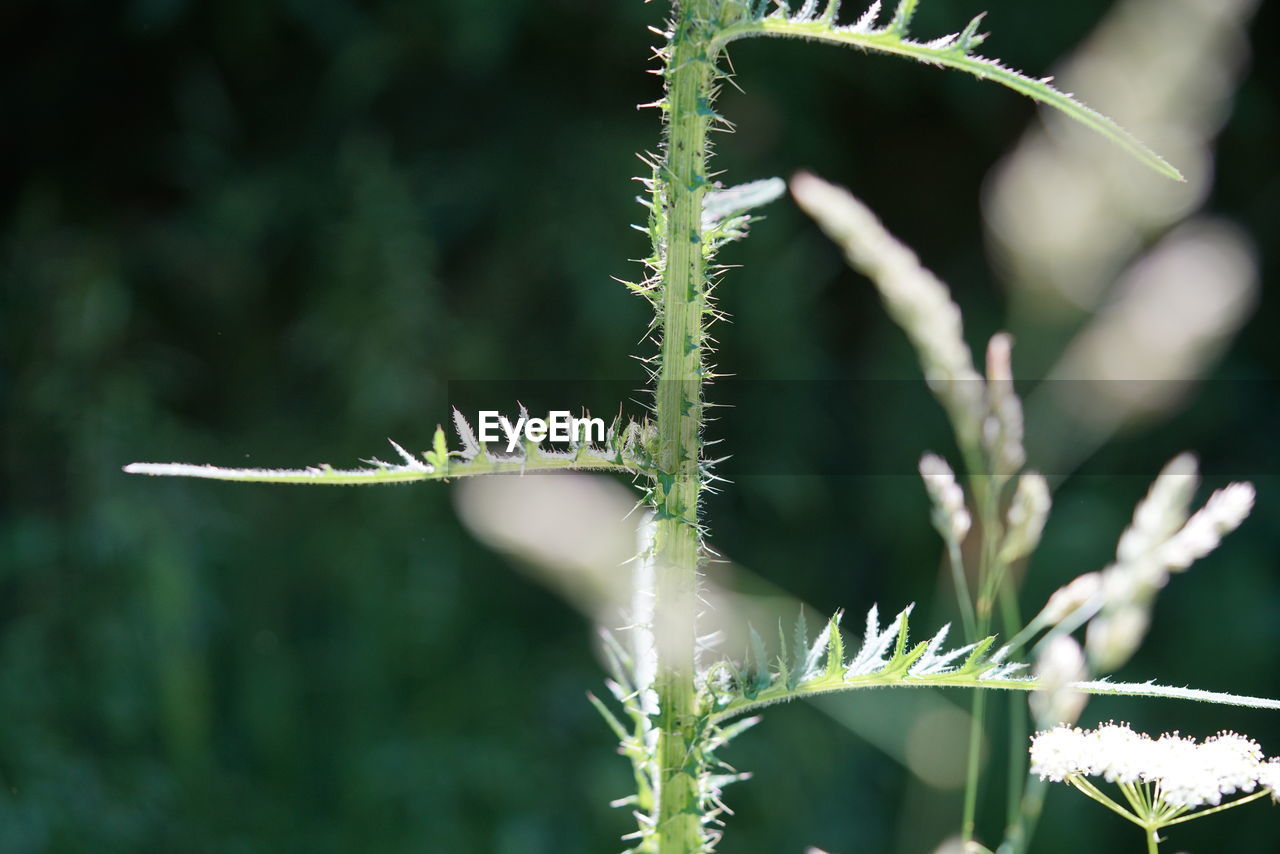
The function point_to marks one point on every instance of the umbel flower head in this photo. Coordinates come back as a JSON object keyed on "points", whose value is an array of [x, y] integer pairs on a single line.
{"points": [[1163, 779], [1186, 773]]}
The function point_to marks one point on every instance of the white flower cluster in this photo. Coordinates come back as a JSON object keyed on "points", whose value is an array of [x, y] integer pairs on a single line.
{"points": [[1186, 773]]}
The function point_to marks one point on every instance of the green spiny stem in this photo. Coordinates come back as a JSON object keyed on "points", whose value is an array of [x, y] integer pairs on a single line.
{"points": [[677, 543]]}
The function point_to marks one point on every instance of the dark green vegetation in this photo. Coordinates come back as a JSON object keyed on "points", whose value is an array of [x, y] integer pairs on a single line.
{"points": [[277, 229]]}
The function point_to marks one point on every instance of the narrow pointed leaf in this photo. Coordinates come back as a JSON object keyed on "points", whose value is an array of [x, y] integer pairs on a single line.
{"points": [[948, 53], [835, 646], [609, 718]]}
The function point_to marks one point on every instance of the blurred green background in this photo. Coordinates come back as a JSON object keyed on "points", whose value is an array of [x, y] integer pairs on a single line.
{"points": [[270, 232]]}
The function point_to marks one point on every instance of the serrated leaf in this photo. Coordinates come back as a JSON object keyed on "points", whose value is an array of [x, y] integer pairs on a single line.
{"points": [[762, 660], [927, 663], [939, 663], [440, 464], [438, 456], [969, 37], [902, 16], [869, 18], [976, 655], [904, 663], [800, 645], [872, 626], [933, 658], [947, 53], [900, 644], [810, 666], [835, 645], [784, 668], [470, 446], [719, 205], [876, 643]]}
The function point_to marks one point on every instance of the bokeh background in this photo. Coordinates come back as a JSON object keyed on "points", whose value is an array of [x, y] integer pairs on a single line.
{"points": [[272, 232]]}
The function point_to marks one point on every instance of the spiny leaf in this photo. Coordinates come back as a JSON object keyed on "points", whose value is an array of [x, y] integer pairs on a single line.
{"points": [[800, 645], [869, 17], [609, 718], [901, 644], [934, 659], [976, 656], [809, 666], [762, 661], [808, 10], [937, 663], [835, 645], [876, 643], [721, 204], [784, 668], [727, 734], [621, 453], [438, 456], [925, 664], [619, 661], [970, 37], [901, 22], [935, 642], [872, 626], [470, 446], [951, 52], [1150, 689]]}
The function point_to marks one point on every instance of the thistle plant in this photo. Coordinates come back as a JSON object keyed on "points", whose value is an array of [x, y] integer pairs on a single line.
{"points": [[680, 706]]}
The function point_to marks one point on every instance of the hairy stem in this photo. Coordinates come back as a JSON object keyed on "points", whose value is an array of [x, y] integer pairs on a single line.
{"points": [[677, 544]]}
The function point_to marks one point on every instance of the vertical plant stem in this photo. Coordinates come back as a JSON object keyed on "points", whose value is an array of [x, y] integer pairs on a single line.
{"points": [[678, 411], [969, 825], [987, 497], [1018, 836], [1012, 618], [1017, 761], [963, 596]]}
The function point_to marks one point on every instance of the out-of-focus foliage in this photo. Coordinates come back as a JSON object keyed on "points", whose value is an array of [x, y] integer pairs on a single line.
{"points": [[268, 232]]}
